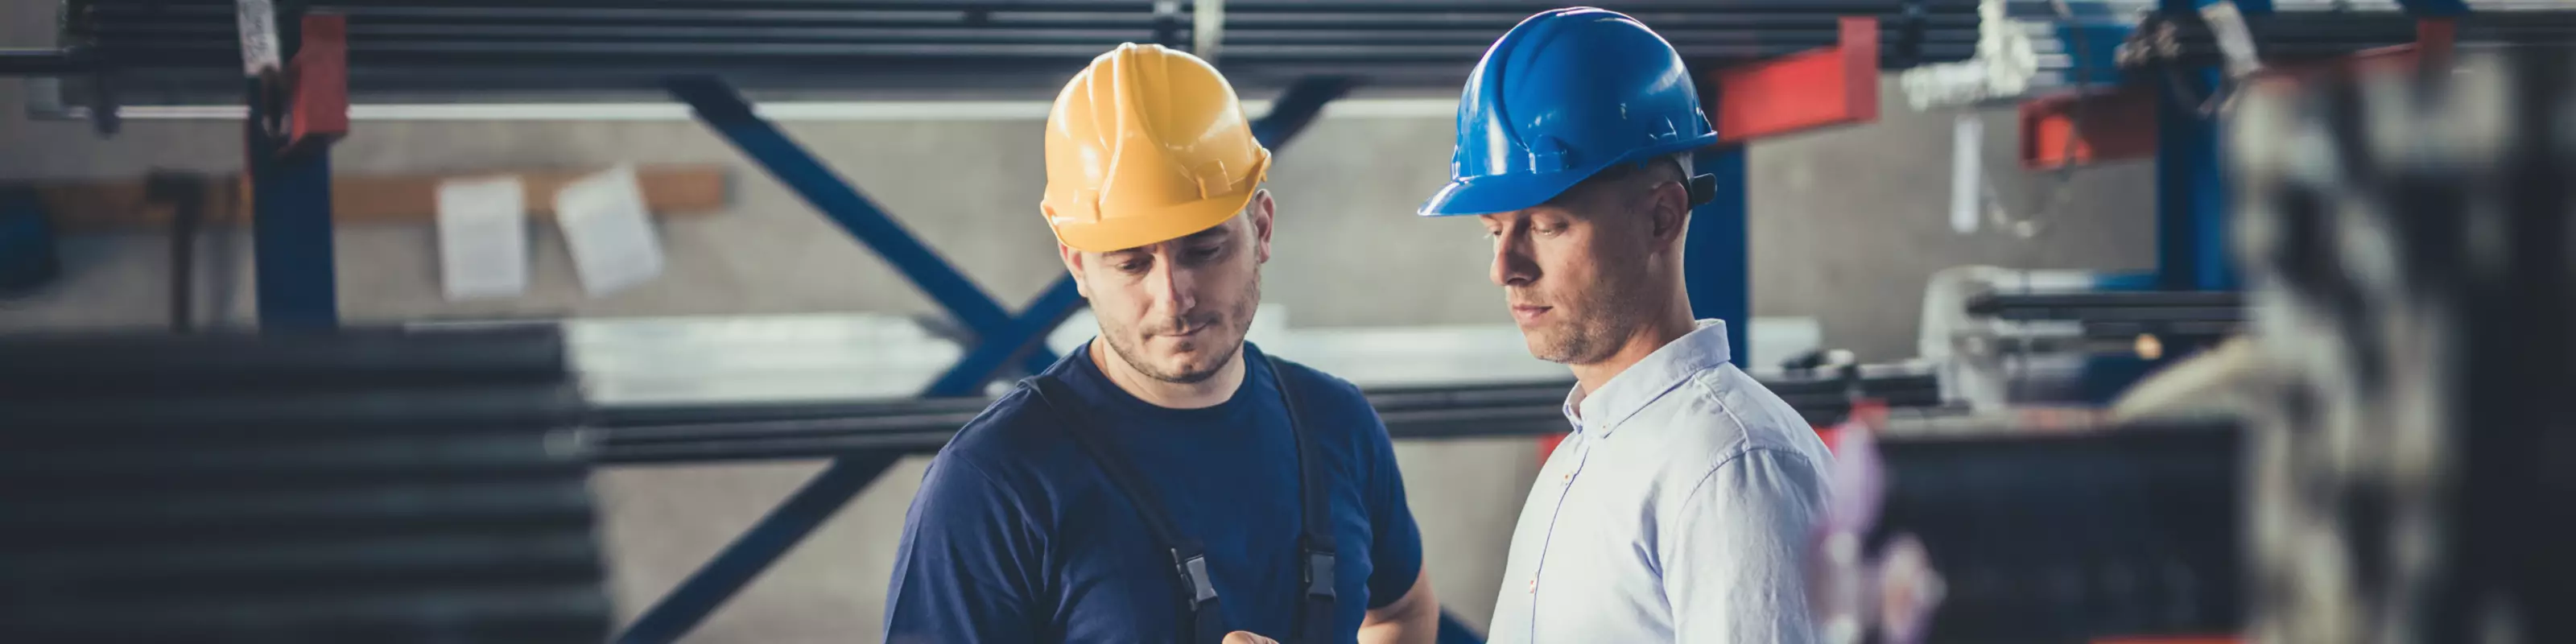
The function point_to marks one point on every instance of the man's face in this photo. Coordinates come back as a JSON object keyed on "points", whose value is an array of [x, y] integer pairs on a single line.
{"points": [[1176, 311], [1574, 272]]}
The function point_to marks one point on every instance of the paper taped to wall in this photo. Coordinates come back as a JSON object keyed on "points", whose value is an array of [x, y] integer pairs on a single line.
{"points": [[611, 236], [483, 237]]}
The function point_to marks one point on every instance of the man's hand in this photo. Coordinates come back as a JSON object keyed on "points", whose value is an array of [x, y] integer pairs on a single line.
{"points": [[1246, 637]]}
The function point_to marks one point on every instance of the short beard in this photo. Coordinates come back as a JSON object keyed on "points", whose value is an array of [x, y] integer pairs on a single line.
{"points": [[1119, 337], [1617, 309]]}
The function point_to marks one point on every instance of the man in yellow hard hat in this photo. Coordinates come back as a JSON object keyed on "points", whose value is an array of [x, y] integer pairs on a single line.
{"points": [[1167, 481]]}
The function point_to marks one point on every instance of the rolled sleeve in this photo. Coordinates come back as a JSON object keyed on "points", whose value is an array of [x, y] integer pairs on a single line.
{"points": [[1734, 563]]}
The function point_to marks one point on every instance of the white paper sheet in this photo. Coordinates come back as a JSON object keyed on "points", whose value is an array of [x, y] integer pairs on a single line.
{"points": [[610, 234], [1967, 167], [483, 237]]}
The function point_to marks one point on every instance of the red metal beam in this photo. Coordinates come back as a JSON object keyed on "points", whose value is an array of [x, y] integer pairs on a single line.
{"points": [[317, 83], [1803, 91], [2120, 124]]}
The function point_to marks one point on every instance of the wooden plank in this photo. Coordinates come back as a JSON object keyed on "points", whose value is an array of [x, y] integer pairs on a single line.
{"points": [[364, 200]]}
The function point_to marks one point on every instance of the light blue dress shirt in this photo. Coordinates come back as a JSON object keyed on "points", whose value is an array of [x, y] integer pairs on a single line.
{"points": [[1679, 510]]}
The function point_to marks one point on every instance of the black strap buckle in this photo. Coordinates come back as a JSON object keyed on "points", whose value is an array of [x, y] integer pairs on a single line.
{"points": [[1319, 574], [1194, 573]]}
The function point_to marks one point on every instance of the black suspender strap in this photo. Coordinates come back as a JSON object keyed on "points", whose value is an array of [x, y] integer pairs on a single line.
{"points": [[1200, 616], [1315, 614]]}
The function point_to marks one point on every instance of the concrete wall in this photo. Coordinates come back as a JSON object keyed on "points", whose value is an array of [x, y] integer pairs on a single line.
{"points": [[1847, 224]]}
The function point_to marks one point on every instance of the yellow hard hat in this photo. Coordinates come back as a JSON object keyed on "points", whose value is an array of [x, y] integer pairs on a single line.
{"points": [[1145, 145]]}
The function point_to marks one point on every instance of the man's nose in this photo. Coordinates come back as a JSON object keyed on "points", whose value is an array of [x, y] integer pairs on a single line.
{"points": [[1171, 288], [1513, 265]]}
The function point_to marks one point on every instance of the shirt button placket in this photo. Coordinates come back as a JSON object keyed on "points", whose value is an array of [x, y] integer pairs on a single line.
{"points": [[1564, 488]]}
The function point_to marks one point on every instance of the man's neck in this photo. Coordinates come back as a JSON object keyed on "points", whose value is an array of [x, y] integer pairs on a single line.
{"points": [[1641, 343], [1213, 391]]}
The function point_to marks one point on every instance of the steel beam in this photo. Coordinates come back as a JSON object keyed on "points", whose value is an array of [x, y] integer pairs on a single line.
{"points": [[688, 605], [290, 229], [728, 114], [1716, 254], [2191, 191], [1026, 331], [1823, 87], [1297, 108]]}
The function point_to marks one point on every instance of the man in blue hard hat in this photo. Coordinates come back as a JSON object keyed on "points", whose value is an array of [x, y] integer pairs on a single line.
{"points": [[1680, 508]]}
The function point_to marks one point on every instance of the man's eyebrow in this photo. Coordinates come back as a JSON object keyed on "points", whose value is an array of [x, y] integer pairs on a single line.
{"points": [[1219, 232]]}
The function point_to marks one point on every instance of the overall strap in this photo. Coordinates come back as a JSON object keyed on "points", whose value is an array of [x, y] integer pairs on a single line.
{"points": [[1315, 614], [1201, 620]]}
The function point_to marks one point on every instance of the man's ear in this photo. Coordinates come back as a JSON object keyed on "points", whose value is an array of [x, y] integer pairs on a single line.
{"points": [[1668, 211], [1073, 265], [1262, 211]]}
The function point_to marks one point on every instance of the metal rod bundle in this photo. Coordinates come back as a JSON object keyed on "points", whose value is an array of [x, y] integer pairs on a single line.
{"points": [[2074, 536], [378, 487], [808, 430], [2302, 35], [573, 44]]}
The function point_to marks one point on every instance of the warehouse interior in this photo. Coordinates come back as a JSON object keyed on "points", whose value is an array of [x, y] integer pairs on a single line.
{"points": [[1864, 264]]}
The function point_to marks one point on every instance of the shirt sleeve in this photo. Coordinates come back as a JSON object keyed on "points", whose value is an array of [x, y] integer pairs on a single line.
{"points": [[1734, 564], [965, 568], [1396, 544]]}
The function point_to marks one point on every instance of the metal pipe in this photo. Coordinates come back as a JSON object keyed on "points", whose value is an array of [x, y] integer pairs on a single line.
{"points": [[42, 62]]}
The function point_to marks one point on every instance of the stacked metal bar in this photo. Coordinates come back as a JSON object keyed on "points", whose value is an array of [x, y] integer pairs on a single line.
{"points": [[2194, 316], [1434, 42], [719, 432], [397, 45], [2311, 35], [2295, 30], [2074, 536], [361, 487]]}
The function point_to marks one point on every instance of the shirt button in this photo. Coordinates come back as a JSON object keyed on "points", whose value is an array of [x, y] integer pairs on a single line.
{"points": [[1533, 585], [1568, 478]]}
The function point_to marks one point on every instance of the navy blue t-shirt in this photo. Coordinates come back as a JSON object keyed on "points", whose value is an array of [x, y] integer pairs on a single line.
{"points": [[1016, 536]]}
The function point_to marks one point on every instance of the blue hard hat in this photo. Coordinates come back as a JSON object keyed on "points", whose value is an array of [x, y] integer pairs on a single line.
{"points": [[1561, 96]]}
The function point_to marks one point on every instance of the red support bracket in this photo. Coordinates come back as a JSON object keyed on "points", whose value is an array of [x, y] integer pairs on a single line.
{"points": [[1803, 91], [317, 84], [2105, 126]]}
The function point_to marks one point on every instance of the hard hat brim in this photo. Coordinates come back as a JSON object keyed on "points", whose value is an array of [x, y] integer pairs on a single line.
{"points": [[1488, 194], [1173, 222], [1499, 193]]}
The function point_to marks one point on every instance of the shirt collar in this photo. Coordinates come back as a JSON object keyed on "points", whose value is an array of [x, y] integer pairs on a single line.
{"points": [[1702, 349]]}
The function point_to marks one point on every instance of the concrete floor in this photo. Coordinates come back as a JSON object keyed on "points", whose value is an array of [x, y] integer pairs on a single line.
{"points": [[1847, 224]]}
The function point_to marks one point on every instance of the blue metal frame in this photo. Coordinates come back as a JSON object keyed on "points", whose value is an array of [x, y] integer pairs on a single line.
{"points": [[1717, 253], [686, 605], [724, 110], [1042, 316], [292, 257], [1297, 108], [1001, 335], [2191, 189]]}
